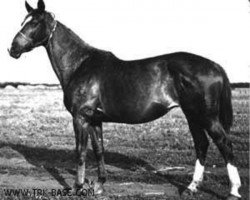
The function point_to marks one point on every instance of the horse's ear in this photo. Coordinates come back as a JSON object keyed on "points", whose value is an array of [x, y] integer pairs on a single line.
{"points": [[28, 7], [41, 5]]}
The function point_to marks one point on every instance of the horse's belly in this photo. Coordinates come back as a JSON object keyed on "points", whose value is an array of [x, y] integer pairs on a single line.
{"points": [[136, 116]]}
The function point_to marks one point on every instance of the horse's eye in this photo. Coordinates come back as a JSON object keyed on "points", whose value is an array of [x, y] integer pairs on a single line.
{"points": [[34, 23]]}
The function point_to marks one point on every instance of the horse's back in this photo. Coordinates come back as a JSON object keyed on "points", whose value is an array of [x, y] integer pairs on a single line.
{"points": [[143, 90]]}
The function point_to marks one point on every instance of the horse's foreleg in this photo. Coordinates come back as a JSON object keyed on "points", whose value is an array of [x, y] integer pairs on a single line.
{"points": [[97, 144], [81, 135], [201, 145]]}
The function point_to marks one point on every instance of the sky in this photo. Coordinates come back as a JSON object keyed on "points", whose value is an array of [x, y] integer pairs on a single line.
{"points": [[136, 29]]}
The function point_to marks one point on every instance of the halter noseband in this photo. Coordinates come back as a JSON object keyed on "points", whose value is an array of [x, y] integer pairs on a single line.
{"points": [[47, 38], [25, 37]]}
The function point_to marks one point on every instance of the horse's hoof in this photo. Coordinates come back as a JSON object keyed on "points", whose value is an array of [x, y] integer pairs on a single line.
{"points": [[187, 193], [98, 188], [232, 197], [193, 187], [78, 189], [78, 186]]}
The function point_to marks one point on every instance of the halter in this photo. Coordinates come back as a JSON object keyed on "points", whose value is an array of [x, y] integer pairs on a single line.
{"points": [[53, 30], [47, 38]]}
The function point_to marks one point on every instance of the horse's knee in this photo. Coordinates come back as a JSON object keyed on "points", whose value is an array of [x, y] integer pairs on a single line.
{"points": [[79, 122], [87, 111], [82, 113]]}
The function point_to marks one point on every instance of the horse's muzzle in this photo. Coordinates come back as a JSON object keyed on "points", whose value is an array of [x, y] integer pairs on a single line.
{"points": [[14, 53]]}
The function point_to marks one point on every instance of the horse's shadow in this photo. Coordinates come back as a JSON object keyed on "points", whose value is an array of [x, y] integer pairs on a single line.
{"points": [[57, 160], [54, 160]]}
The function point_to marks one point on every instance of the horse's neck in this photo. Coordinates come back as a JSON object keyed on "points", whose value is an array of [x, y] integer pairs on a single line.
{"points": [[66, 52]]}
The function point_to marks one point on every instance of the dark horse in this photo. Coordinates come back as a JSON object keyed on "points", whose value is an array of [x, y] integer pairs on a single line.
{"points": [[98, 87]]}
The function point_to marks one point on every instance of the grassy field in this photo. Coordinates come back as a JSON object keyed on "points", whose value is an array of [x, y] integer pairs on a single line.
{"points": [[148, 161]]}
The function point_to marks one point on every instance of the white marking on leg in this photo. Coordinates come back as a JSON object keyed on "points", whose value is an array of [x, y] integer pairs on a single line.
{"points": [[197, 177], [80, 177], [234, 180]]}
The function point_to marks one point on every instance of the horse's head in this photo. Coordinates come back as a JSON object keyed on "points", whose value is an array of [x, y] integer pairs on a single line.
{"points": [[37, 29]]}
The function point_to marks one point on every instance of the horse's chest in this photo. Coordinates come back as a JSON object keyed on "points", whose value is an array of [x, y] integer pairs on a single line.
{"points": [[83, 96]]}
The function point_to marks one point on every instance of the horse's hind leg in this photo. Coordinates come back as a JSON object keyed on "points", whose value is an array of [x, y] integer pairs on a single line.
{"points": [[97, 144], [201, 145], [218, 134]]}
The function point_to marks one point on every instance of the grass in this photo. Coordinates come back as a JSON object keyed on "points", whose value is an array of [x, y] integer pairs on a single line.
{"points": [[37, 142]]}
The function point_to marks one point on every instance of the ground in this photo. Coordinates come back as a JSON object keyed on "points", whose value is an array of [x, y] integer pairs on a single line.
{"points": [[147, 161]]}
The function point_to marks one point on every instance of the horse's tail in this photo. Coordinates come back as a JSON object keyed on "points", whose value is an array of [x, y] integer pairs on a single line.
{"points": [[226, 111]]}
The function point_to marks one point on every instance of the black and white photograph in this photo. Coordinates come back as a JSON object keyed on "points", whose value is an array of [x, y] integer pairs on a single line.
{"points": [[124, 100]]}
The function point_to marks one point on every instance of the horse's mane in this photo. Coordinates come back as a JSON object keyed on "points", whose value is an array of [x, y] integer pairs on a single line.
{"points": [[76, 38], [82, 43]]}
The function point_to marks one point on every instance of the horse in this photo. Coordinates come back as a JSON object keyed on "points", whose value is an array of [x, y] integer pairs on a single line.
{"points": [[98, 87]]}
